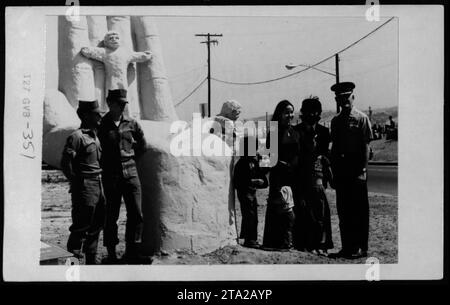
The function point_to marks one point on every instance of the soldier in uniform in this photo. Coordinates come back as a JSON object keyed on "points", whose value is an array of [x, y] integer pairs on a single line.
{"points": [[123, 142], [351, 133], [81, 165]]}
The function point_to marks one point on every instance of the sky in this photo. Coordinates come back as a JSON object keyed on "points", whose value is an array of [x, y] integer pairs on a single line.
{"points": [[254, 49]]}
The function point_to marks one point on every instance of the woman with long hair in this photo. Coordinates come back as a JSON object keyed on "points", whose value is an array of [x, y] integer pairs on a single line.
{"points": [[283, 181]]}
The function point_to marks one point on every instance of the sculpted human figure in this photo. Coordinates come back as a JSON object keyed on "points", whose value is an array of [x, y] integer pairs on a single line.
{"points": [[116, 59], [168, 182], [227, 117]]}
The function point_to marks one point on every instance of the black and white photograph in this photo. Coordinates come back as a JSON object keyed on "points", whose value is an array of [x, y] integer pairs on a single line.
{"points": [[223, 143]]}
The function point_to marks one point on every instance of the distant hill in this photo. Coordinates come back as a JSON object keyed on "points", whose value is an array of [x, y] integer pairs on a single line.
{"points": [[379, 116], [383, 150]]}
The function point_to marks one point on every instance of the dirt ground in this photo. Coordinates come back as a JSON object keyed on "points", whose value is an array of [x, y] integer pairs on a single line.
{"points": [[56, 219]]}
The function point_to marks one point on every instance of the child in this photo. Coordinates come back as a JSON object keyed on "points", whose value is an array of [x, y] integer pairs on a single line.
{"points": [[247, 178], [279, 214]]}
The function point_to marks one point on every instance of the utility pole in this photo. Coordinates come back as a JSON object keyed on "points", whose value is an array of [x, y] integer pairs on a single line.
{"points": [[337, 78], [208, 44]]}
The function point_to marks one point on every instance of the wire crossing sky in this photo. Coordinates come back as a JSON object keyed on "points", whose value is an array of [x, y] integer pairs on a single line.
{"points": [[192, 92], [259, 48], [307, 68], [290, 74]]}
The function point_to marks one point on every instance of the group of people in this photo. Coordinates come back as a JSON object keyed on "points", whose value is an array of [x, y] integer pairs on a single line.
{"points": [[389, 130], [99, 160], [298, 214]]}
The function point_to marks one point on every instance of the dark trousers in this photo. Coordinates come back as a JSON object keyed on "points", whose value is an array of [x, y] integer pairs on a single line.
{"points": [[278, 228], [88, 214], [353, 210], [129, 188], [300, 227], [318, 222], [249, 211]]}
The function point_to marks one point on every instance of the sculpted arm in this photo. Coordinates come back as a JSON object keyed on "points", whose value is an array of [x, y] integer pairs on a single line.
{"points": [[140, 56], [93, 53]]}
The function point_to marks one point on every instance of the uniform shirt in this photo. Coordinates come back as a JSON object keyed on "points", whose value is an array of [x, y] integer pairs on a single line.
{"points": [[121, 144], [81, 154], [350, 133]]}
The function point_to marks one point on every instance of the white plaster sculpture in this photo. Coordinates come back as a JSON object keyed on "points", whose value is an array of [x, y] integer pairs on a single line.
{"points": [[186, 202], [116, 59], [229, 113]]}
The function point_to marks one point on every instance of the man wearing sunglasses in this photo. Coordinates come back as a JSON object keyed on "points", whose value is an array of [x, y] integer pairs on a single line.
{"points": [[351, 133]]}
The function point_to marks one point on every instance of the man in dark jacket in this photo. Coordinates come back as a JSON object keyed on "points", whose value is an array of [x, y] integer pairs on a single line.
{"points": [[122, 142], [315, 224]]}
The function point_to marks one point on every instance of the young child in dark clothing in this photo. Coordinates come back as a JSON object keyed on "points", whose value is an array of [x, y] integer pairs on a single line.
{"points": [[248, 177], [280, 215]]}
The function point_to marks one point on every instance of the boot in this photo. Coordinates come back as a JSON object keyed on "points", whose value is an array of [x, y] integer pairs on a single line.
{"points": [[133, 255], [90, 259], [130, 255], [112, 256]]}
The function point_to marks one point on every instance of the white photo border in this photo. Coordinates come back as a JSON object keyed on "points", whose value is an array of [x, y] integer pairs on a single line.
{"points": [[421, 163]]}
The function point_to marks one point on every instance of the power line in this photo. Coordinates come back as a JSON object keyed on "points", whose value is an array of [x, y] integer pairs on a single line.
{"points": [[187, 72], [365, 36], [191, 85], [208, 44], [309, 67], [192, 92], [261, 82]]}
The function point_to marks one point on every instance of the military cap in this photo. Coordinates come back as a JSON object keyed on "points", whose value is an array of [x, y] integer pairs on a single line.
{"points": [[342, 88], [88, 106], [117, 95]]}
